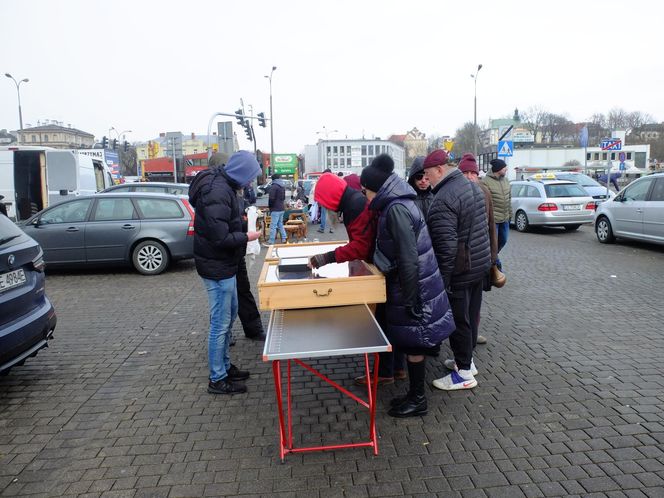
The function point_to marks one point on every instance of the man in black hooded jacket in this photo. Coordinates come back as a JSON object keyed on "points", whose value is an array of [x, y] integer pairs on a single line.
{"points": [[219, 245], [421, 185]]}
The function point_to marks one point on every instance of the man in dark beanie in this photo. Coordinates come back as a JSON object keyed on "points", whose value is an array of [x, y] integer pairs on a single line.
{"points": [[458, 226], [420, 184], [416, 316], [499, 186]]}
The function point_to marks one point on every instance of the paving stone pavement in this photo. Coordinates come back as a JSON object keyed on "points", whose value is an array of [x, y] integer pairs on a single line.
{"points": [[570, 398]]}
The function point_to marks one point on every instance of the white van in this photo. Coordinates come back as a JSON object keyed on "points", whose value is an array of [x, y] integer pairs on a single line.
{"points": [[33, 178]]}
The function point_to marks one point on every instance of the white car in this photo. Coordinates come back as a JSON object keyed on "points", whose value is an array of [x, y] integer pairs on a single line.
{"points": [[551, 203]]}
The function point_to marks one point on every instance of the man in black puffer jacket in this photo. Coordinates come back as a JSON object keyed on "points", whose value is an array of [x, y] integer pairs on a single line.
{"points": [[219, 245], [459, 233]]}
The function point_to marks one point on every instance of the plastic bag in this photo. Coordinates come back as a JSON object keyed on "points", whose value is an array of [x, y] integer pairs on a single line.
{"points": [[253, 247]]}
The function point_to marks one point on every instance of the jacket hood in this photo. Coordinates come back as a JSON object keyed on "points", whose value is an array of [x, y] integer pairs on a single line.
{"points": [[242, 168], [279, 181], [393, 188], [417, 167], [329, 190]]}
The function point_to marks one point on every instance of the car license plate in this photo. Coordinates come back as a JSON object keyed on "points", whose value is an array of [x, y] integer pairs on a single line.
{"points": [[12, 279], [571, 207]]}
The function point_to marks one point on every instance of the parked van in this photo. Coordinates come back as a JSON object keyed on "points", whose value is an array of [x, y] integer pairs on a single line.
{"points": [[33, 178]]}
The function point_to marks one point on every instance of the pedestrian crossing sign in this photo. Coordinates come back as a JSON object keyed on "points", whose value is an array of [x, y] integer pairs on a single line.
{"points": [[505, 148]]}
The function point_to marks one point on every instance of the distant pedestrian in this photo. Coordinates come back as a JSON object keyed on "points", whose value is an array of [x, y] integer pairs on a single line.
{"points": [[417, 313], [219, 245], [499, 186], [323, 213], [468, 166], [276, 205], [460, 237], [421, 185]]}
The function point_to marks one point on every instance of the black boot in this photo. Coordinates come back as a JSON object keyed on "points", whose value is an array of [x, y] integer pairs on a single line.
{"points": [[415, 402]]}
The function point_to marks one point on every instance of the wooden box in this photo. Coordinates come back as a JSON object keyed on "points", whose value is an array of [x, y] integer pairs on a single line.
{"points": [[335, 284], [306, 249]]}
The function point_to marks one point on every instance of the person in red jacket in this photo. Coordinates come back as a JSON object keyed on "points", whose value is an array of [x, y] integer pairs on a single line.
{"points": [[333, 193]]}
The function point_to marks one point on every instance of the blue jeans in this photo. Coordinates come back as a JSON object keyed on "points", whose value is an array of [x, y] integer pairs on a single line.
{"points": [[502, 231], [277, 223], [323, 218], [222, 296]]}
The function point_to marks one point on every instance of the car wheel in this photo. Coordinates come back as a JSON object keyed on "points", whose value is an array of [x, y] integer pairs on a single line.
{"points": [[571, 228], [521, 221], [150, 257], [604, 231]]}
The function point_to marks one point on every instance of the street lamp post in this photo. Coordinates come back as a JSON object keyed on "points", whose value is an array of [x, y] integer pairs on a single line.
{"points": [[18, 92], [475, 134], [271, 120]]}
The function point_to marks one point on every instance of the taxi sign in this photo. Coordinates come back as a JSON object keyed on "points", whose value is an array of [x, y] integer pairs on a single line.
{"points": [[543, 176]]}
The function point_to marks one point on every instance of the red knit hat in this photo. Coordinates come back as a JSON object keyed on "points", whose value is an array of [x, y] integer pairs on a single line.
{"points": [[329, 189], [437, 158], [468, 163]]}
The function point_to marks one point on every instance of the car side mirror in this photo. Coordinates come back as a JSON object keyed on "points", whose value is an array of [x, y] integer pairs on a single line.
{"points": [[35, 222]]}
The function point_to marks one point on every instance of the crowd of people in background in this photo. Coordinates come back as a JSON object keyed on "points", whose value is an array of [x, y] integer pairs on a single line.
{"points": [[436, 238]]}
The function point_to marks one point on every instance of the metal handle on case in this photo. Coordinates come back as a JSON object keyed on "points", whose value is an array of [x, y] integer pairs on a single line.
{"points": [[329, 291]]}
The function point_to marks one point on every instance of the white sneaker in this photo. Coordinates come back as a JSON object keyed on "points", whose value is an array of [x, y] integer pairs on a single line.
{"points": [[463, 379], [451, 365]]}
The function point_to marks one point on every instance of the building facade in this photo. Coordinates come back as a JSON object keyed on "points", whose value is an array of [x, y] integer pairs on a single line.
{"points": [[55, 134], [350, 156], [414, 142]]}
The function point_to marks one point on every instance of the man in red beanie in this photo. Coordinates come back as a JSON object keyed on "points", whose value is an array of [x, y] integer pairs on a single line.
{"points": [[458, 227], [333, 193], [468, 166]]}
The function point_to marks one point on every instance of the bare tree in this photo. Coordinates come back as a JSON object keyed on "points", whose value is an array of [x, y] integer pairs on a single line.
{"points": [[533, 120], [464, 139], [434, 142], [557, 127]]}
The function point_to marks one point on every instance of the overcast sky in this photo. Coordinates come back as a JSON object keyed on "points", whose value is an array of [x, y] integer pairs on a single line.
{"points": [[359, 67]]}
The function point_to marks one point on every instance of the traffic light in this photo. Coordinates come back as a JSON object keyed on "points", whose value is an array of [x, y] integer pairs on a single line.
{"points": [[261, 119], [247, 131], [115, 144], [104, 142], [238, 116], [126, 145]]}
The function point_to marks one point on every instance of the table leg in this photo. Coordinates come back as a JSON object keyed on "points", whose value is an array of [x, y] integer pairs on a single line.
{"points": [[372, 401], [276, 371], [289, 408]]}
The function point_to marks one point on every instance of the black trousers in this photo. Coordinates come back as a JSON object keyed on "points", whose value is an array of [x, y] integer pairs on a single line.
{"points": [[466, 303], [247, 309]]}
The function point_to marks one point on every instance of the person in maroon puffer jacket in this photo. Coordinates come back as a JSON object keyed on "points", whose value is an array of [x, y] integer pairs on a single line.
{"points": [[333, 193]]}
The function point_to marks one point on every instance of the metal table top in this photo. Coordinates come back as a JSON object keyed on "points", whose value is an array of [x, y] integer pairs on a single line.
{"points": [[316, 332]]}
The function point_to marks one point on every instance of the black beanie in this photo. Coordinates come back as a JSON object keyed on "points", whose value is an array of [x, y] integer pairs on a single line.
{"points": [[497, 165], [377, 173]]}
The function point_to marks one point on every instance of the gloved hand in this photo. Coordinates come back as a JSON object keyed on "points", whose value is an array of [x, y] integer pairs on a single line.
{"points": [[322, 259]]}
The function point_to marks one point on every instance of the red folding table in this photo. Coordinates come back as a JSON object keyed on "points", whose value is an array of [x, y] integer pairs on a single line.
{"points": [[295, 335]]}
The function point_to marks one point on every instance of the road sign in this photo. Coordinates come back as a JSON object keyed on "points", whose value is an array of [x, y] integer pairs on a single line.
{"points": [[452, 156], [285, 164], [505, 148], [622, 166], [622, 157], [448, 145], [611, 144]]}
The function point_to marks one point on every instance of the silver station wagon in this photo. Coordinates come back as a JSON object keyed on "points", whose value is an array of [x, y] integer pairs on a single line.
{"points": [[637, 212], [145, 230], [556, 203]]}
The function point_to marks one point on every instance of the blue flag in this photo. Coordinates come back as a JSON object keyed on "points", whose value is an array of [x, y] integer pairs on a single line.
{"points": [[583, 136]]}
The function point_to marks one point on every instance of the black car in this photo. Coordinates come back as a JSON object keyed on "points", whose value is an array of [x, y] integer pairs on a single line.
{"points": [[27, 317]]}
